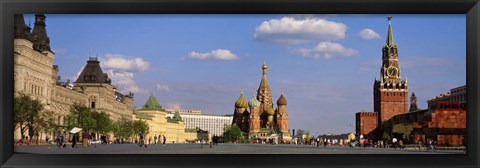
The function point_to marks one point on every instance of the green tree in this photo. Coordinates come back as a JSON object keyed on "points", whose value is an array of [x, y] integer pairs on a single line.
{"points": [[232, 133], [123, 128], [81, 116], [139, 126], [29, 115], [103, 122]]}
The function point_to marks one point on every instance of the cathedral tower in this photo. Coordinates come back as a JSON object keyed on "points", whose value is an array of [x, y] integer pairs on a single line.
{"points": [[254, 105], [241, 115], [264, 95], [282, 116], [390, 92]]}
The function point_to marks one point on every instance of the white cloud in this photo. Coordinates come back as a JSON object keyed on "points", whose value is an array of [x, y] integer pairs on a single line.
{"points": [[369, 34], [326, 50], [219, 54], [296, 30], [125, 81], [176, 106], [122, 62], [164, 88]]}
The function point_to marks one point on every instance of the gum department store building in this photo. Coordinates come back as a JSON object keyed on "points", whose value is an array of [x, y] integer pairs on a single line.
{"points": [[35, 75]]}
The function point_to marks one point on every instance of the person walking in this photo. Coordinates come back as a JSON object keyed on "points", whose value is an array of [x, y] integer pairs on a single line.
{"points": [[155, 139], [318, 142], [27, 140], [394, 141], [85, 138], [140, 142], [74, 140], [164, 140]]}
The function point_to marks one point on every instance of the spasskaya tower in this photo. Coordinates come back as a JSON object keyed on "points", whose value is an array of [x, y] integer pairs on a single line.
{"points": [[390, 92]]}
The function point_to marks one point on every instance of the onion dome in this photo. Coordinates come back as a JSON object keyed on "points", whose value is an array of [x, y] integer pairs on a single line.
{"points": [[241, 102], [281, 101], [254, 103], [270, 111]]}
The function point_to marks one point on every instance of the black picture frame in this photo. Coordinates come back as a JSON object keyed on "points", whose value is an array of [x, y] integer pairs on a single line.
{"points": [[9, 7]]}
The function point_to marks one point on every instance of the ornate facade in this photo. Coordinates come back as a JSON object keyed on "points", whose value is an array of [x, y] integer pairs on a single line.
{"points": [[36, 75], [263, 121]]}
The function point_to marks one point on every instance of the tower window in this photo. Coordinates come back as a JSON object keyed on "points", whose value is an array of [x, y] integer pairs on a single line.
{"points": [[93, 105]]}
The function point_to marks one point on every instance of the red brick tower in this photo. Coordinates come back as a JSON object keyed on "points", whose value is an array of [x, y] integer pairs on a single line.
{"points": [[254, 105], [390, 92], [282, 116]]}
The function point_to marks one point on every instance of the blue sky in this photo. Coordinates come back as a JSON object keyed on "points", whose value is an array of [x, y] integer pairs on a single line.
{"points": [[324, 64]]}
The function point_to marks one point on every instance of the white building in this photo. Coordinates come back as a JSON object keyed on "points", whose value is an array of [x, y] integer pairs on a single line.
{"points": [[214, 124], [184, 112]]}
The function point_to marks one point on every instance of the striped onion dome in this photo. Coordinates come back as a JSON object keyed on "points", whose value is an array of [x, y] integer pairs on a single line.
{"points": [[241, 102], [254, 103]]}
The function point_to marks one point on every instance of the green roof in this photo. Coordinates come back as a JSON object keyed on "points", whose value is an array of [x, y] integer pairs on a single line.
{"points": [[177, 117], [152, 104], [390, 42]]}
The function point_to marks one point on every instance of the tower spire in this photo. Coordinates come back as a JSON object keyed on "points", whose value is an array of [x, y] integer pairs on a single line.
{"points": [[21, 30], [390, 42], [41, 42]]}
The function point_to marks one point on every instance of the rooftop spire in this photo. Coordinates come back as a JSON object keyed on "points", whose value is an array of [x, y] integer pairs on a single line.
{"points": [[390, 41], [40, 40], [21, 31], [264, 81]]}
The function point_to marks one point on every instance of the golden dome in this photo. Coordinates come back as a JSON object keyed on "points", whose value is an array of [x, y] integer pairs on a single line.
{"points": [[270, 111], [241, 102], [264, 66]]}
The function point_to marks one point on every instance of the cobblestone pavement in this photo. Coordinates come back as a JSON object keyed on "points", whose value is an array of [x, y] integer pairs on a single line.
{"points": [[216, 149]]}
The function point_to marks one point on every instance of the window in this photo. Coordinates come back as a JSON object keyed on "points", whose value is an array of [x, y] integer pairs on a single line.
{"points": [[93, 105]]}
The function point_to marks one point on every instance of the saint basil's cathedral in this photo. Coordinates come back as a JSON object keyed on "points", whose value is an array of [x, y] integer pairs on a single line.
{"points": [[262, 121]]}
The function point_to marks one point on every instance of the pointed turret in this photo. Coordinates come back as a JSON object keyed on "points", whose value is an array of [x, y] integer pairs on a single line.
{"points": [[264, 94], [390, 42], [177, 117], [413, 103], [264, 82], [40, 40], [21, 31], [152, 104], [92, 73]]}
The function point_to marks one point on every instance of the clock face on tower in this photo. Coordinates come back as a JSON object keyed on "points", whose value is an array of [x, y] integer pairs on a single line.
{"points": [[392, 72]]}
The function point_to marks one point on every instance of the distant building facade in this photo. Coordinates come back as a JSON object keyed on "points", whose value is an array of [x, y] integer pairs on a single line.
{"points": [[35, 75], [159, 124], [458, 94], [214, 124]]}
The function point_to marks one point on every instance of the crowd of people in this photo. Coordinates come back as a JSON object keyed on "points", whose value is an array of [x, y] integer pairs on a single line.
{"points": [[156, 140]]}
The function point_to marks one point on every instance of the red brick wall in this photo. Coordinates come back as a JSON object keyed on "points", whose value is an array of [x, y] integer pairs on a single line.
{"points": [[366, 122], [392, 103], [450, 139], [448, 118]]}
